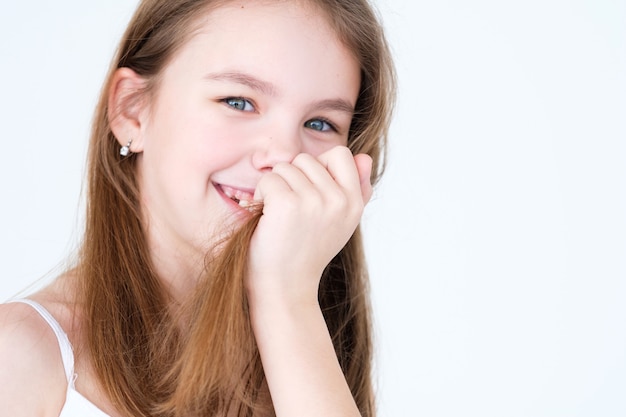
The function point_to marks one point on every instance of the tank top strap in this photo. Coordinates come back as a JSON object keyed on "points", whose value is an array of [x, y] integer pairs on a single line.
{"points": [[67, 353]]}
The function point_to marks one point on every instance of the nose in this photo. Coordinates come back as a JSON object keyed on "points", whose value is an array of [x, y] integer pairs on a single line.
{"points": [[278, 146]]}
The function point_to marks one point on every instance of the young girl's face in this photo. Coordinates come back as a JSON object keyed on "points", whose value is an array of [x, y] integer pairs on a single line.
{"points": [[259, 83]]}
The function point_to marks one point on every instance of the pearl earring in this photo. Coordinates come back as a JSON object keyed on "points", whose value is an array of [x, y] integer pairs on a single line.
{"points": [[125, 150]]}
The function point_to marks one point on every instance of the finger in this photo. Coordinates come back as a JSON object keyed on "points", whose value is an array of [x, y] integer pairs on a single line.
{"points": [[315, 172], [304, 174], [341, 165], [270, 184], [364, 167]]}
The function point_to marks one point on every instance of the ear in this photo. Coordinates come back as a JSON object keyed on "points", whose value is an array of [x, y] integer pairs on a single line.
{"points": [[128, 108]]}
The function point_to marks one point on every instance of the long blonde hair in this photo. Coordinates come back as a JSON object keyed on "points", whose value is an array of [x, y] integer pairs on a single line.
{"points": [[145, 362]]}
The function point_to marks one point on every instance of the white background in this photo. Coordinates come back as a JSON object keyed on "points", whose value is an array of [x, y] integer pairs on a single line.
{"points": [[497, 241]]}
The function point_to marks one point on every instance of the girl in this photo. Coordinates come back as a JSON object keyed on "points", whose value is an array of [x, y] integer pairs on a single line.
{"points": [[221, 271]]}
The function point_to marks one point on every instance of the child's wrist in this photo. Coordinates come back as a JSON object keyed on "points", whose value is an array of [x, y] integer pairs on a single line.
{"points": [[284, 296]]}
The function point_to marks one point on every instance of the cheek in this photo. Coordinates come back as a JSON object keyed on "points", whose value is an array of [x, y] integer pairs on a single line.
{"points": [[211, 135], [318, 147], [222, 144]]}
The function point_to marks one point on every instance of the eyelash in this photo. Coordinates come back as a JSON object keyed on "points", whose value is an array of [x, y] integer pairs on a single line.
{"points": [[323, 120], [229, 102]]}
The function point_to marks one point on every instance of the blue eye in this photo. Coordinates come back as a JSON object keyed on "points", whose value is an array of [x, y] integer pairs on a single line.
{"points": [[319, 125], [239, 103]]}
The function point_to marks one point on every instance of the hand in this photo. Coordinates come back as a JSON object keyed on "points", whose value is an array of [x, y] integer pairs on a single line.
{"points": [[311, 207]]}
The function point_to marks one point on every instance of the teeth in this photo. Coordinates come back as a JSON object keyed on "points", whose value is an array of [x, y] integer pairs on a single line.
{"points": [[243, 198]]}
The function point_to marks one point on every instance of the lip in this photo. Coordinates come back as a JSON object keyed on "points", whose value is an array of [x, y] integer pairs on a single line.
{"points": [[230, 201]]}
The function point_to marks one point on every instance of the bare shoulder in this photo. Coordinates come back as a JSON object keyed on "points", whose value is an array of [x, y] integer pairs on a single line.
{"points": [[30, 363]]}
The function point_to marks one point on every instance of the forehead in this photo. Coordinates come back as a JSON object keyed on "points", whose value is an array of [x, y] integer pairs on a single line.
{"points": [[246, 20], [280, 41]]}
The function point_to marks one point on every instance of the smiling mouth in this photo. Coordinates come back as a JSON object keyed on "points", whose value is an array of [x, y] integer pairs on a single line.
{"points": [[243, 198]]}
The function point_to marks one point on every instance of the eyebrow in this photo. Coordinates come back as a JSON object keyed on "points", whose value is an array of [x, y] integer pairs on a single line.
{"points": [[335, 105], [244, 79], [268, 88]]}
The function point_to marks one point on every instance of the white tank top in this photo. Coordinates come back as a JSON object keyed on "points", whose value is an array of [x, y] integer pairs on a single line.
{"points": [[75, 404]]}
